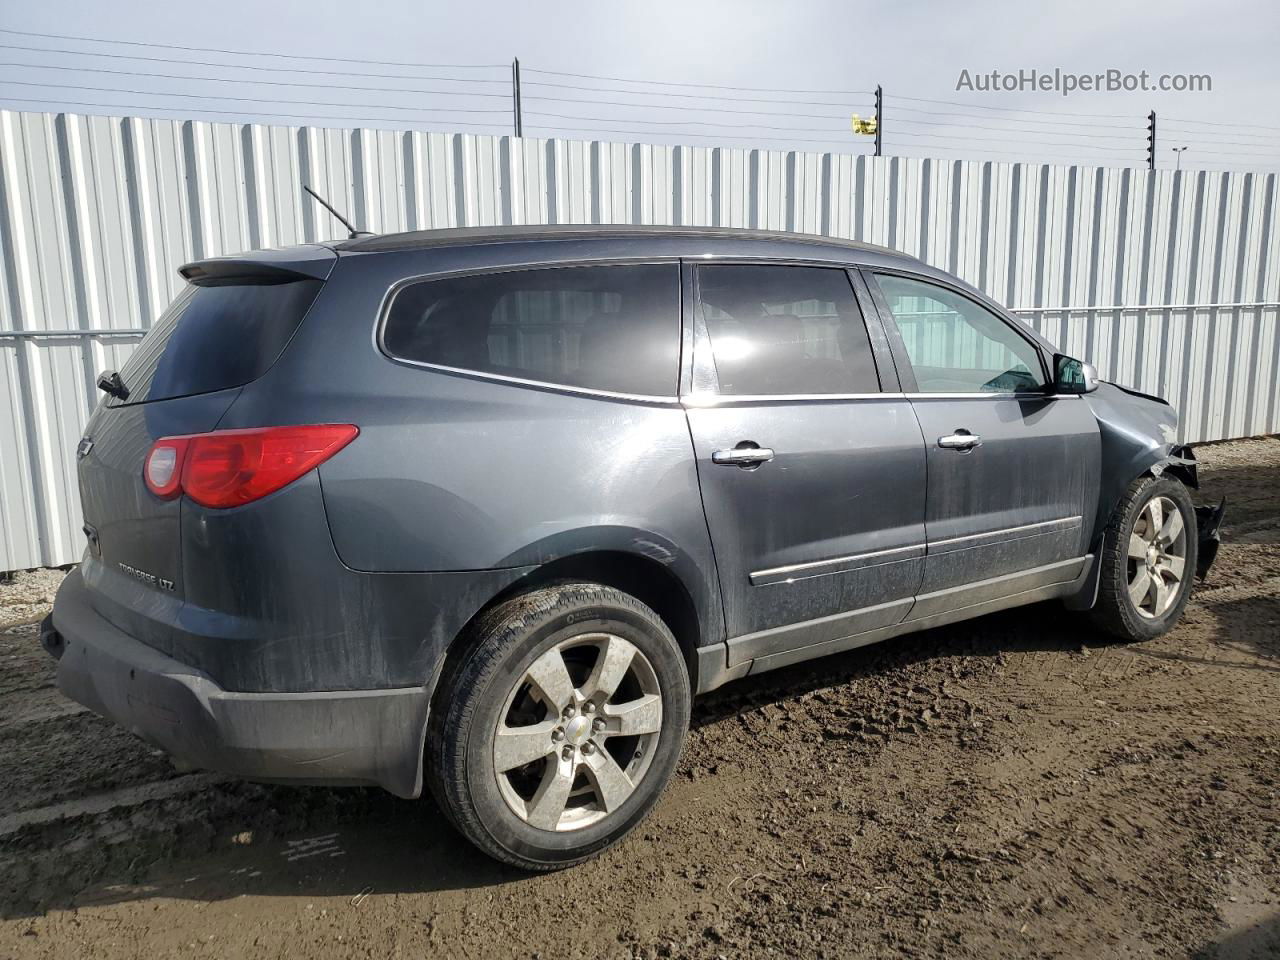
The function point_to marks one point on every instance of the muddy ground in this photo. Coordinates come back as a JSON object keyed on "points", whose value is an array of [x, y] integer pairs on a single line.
{"points": [[1013, 786]]}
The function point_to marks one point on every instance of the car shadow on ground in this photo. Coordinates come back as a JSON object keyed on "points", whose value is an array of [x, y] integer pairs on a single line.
{"points": [[1257, 941], [259, 840]]}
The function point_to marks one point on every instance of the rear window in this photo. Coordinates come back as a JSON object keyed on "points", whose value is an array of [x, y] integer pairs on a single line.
{"points": [[614, 328], [215, 336]]}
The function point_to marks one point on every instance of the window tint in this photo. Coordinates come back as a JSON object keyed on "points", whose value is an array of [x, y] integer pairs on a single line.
{"points": [[216, 336], [785, 330], [957, 346], [614, 328]]}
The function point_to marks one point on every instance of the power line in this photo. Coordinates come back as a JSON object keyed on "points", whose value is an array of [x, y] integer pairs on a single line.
{"points": [[660, 123], [1200, 151], [979, 106], [982, 116], [256, 53], [1257, 139], [1218, 123], [690, 96], [1135, 135], [209, 96], [706, 86], [842, 117], [254, 113], [234, 66], [1047, 143], [446, 93], [271, 83], [1274, 148]]}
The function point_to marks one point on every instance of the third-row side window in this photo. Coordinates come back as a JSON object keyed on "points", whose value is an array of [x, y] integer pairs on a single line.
{"points": [[785, 330], [613, 327]]}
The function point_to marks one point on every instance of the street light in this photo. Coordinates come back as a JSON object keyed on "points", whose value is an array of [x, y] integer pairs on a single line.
{"points": [[1178, 151]]}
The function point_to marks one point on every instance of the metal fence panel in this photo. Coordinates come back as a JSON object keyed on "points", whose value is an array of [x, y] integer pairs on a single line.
{"points": [[1168, 281]]}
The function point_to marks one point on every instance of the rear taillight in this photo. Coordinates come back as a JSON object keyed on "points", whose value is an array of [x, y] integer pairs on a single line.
{"points": [[228, 468]]}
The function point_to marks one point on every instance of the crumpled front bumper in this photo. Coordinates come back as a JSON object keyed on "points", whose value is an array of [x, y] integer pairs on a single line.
{"points": [[347, 736]]}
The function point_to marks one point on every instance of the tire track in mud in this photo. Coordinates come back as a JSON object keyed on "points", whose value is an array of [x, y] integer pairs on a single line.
{"points": [[97, 804]]}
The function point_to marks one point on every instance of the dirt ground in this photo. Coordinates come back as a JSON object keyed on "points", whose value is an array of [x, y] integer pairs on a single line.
{"points": [[1009, 787]]}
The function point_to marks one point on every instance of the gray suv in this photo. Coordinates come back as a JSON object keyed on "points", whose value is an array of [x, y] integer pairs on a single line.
{"points": [[482, 510]]}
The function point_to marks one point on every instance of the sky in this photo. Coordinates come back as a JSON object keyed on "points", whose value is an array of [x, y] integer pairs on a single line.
{"points": [[784, 75]]}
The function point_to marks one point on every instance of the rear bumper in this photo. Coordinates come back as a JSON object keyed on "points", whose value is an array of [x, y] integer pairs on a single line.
{"points": [[348, 737]]}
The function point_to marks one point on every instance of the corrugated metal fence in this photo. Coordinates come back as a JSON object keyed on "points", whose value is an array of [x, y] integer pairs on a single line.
{"points": [[1168, 282]]}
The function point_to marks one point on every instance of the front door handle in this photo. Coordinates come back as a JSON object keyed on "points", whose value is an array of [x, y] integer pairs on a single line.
{"points": [[745, 454], [960, 440]]}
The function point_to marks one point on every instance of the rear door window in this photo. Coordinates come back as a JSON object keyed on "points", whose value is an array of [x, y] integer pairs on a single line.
{"points": [[614, 328], [785, 330], [216, 335]]}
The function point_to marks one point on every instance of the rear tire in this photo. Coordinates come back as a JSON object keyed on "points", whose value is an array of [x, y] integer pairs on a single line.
{"points": [[559, 729], [1148, 560]]}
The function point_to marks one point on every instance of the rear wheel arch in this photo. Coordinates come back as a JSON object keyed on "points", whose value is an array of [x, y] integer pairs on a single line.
{"points": [[652, 583]]}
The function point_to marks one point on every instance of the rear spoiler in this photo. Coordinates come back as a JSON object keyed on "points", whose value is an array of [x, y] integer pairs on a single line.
{"points": [[263, 266]]}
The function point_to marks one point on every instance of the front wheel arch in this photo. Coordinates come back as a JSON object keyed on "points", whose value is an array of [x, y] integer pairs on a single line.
{"points": [[1179, 463]]}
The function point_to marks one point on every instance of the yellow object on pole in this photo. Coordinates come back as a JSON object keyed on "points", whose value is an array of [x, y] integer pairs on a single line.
{"points": [[865, 127]]}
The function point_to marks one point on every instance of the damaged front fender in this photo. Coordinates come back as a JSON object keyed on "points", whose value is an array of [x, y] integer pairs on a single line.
{"points": [[1139, 434]]}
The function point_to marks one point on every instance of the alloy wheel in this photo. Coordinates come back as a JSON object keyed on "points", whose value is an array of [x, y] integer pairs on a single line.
{"points": [[1157, 557], [577, 732]]}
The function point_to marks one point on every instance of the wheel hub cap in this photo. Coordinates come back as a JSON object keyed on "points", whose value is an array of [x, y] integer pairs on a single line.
{"points": [[578, 730]]}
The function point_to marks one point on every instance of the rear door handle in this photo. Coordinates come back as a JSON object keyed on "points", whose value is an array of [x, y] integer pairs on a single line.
{"points": [[743, 456], [960, 440]]}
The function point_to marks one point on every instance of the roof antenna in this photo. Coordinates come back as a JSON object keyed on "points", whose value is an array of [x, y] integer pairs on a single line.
{"points": [[354, 233]]}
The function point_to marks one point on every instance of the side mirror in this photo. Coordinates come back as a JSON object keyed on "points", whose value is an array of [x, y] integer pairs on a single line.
{"points": [[1072, 376]]}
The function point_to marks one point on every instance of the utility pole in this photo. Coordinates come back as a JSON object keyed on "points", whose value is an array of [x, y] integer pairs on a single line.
{"points": [[879, 117], [515, 97], [1151, 140], [1179, 151]]}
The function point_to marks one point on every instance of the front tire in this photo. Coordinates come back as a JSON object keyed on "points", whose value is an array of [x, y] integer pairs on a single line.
{"points": [[1148, 560], [558, 731]]}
